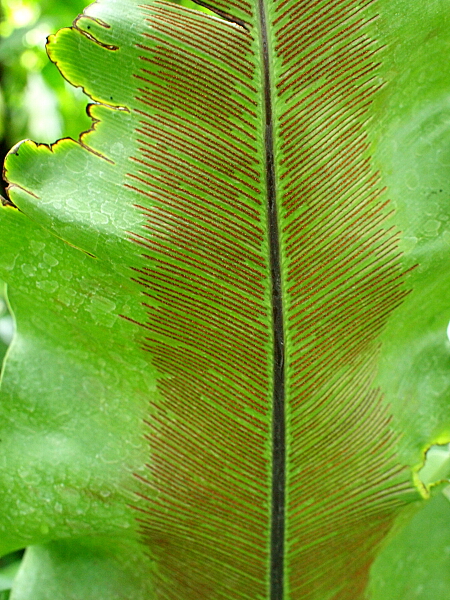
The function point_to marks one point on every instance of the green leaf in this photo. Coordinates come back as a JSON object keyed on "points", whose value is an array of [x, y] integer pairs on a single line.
{"points": [[231, 301], [84, 568], [416, 563], [8, 571]]}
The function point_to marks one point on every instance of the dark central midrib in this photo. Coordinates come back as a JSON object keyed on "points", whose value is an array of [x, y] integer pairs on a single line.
{"points": [[278, 414]]}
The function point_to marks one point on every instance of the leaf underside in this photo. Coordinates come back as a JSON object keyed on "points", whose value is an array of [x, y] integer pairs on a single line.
{"points": [[248, 218]]}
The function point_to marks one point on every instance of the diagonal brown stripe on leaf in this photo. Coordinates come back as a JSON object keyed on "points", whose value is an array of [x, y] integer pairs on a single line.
{"points": [[197, 178]]}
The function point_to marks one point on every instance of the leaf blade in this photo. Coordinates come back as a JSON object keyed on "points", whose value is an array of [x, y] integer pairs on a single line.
{"points": [[200, 257]]}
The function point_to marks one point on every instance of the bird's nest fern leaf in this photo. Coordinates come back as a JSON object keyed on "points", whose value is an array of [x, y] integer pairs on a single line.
{"points": [[240, 265]]}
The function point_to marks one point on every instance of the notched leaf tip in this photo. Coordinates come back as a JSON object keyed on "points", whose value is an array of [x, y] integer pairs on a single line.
{"points": [[95, 20], [223, 14], [7, 202], [75, 84], [90, 36], [435, 468], [14, 151]]}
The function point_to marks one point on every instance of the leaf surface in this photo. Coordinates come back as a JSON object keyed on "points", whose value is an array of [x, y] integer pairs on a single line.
{"points": [[415, 564], [240, 292]]}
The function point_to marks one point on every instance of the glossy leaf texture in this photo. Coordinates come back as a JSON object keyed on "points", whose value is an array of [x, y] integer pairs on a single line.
{"points": [[231, 299]]}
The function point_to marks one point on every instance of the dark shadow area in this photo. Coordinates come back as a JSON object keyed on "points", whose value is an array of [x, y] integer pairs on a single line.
{"points": [[9, 565]]}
